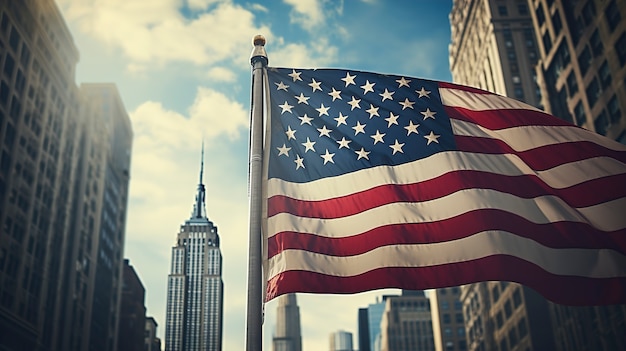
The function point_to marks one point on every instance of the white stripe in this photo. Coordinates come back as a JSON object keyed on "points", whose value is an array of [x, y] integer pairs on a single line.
{"points": [[545, 209], [560, 177], [479, 102], [593, 263], [531, 137]]}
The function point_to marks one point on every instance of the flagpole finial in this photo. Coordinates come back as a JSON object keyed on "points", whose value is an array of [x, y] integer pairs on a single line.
{"points": [[259, 40], [258, 53]]}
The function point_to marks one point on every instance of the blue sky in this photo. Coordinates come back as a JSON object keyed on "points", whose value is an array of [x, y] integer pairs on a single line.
{"points": [[182, 69]]}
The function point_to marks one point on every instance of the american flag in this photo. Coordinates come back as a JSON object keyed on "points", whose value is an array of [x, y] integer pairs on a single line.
{"points": [[382, 181]]}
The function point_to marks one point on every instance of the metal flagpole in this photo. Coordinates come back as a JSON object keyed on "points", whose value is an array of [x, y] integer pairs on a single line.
{"points": [[254, 338]]}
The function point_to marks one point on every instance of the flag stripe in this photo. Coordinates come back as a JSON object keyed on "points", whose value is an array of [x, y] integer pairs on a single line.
{"points": [[556, 235], [501, 267], [515, 118], [543, 157], [544, 209], [569, 261], [474, 101], [526, 186], [439, 164]]}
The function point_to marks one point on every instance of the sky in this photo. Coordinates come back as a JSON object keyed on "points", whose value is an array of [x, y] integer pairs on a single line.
{"points": [[182, 68]]}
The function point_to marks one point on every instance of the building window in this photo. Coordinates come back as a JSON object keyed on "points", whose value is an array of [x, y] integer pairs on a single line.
{"points": [[529, 36], [620, 48], [458, 318], [522, 8], [584, 60], [593, 92], [445, 305], [503, 345], [556, 23], [507, 310], [613, 16], [519, 92], [596, 44], [502, 10], [9, 66], [601, 124], [547, 42], [615, 114], [588, 12], [605, 74], [460, 331], [572, 84], [446, 318], [495, 293], [499, 320], [517, 298], [541, 17], [513, 337]]}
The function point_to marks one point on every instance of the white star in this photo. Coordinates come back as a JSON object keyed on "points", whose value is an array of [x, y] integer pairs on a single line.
{"points": [[349, 79], [354, 103], [302, 99], [411, 128], [285, 107], [403, 82], [367, 87], [308, 146], [344, 143], [299, 162], [432, 137], [341, 119], [362, 154], [291, 134], [373, 111], [406, 104], [328, 157], [428, 114], [359, 128], [336, 94], [378, 137], [324, 131], [387, 94], [284, 150], [295, 75], [305, 119], [392, 119], [315, 85], [281, 86], [423, 92], [397, 147], [323, 110]]}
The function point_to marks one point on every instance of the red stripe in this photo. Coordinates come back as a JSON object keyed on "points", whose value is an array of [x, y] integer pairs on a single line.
{"points": [[555, 235], [569, 290], [526, 186], [543, 157], [464, 88], [506, 118]]}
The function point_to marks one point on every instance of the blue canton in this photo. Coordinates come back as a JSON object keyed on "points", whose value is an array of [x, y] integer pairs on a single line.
{"points": [[329, 122]]}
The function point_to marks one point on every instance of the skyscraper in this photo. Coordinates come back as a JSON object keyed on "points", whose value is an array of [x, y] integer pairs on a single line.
{"points": [[64, 173], [448, 321], [340, 341], [407, 324], [288, 335], [195, 291]]}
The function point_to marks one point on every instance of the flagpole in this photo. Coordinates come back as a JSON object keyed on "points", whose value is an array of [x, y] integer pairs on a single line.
{"points": [[254, 338]]}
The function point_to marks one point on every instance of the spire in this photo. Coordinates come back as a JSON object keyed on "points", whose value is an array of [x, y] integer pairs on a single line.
{"points": [[199, 210]]}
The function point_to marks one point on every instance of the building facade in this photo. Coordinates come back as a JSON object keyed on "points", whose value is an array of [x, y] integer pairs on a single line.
{"points": [[288, 336], [340, 341], [151, 341], [582, 62], [448, 320], [493, 47], [195, 291], [64, 172], [132, 322], [406, 323]]}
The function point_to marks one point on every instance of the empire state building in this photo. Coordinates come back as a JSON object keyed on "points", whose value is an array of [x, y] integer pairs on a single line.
{"points": [[195, 291]]}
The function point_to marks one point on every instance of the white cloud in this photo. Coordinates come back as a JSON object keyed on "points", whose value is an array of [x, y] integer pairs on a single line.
{"points": [[221, 74], [155, 32], [202, 4], [306, 13]]}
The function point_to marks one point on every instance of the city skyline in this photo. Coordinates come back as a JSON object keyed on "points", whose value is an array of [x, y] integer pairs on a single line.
{"points": [[184, 75]]}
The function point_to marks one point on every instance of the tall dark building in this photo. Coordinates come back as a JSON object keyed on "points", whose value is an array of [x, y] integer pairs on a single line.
{"points": [[364, 331], [132, 323], [64, 172], [195, 290]]}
